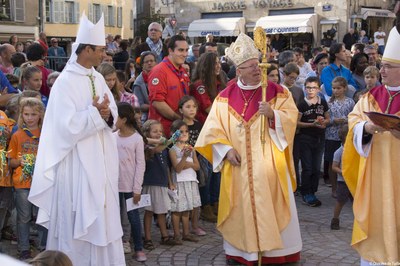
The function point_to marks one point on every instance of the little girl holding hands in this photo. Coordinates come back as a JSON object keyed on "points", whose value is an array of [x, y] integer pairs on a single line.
{"points": [[184, 166], [156, 182]]}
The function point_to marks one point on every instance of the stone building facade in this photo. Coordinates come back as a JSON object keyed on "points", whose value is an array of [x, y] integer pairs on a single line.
{"points": [[337, 15]]}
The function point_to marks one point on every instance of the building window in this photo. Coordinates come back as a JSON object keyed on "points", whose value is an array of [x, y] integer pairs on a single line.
{"points": [[110, 20], [119, 17], [48, 10], [69, 12], [96, 13], [12, 10], [139, 6], [19, 10], [5, 10]]}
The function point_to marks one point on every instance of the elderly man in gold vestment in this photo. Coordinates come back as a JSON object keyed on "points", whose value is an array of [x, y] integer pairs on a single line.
{"points": [[371, 164], [257, 213]]}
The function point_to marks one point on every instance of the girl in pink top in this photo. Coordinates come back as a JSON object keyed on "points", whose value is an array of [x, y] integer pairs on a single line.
{"points": [[130, 143]]}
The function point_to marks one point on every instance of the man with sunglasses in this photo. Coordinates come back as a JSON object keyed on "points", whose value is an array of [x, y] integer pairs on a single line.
{"points": [[371, 164], [56, 53], [153, 42]]}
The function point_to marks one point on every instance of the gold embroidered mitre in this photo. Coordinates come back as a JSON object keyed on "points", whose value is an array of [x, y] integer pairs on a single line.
{"points": [[242, 50]]}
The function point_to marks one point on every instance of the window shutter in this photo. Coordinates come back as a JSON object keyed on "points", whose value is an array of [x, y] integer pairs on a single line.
{"points": [[59, 15], [76, 12], [19, 10], [119, 17], [105, 12], [90, 12], [113, 16]]}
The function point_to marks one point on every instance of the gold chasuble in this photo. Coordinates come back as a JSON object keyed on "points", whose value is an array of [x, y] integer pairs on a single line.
{"points": [[374, 181], [254, 205]]}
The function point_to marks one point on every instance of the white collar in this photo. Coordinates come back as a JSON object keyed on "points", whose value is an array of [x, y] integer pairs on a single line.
{"points": [[247, 87], [393, 88]]}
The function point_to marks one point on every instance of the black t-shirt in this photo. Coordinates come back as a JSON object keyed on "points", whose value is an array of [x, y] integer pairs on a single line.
{"points": [[194, 132], [310, 112]]}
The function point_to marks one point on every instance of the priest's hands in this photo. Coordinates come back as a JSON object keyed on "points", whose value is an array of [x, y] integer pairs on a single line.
{"points": [[233, 157], [265, 109], [371, 128], [103, 107]]}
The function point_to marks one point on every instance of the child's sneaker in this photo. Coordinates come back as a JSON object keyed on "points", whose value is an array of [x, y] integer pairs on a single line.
{"points": [[335, 224], [310, 200], [127, 247], [140, 256]]}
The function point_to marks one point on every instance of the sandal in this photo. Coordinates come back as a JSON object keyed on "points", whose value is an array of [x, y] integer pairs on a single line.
{"points": [[148, 244], [190, 238], [170, 241]]}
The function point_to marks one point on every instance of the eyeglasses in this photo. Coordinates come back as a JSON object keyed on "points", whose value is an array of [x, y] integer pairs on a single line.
{"points": [[251, 66], [388, 67], [292, 78], [311, 88]]}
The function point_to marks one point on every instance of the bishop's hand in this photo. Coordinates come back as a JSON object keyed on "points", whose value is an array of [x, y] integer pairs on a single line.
{"points": [[265, 109]]}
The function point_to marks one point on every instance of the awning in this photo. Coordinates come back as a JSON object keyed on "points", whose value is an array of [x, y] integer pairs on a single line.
{"points": [[216, 27], [373, 12], [299, 23]]}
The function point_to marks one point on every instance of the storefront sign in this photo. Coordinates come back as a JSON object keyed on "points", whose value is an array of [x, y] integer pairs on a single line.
{"points": [[241, 5], [215, 33], [282, 30], [272, 3], [232, 5]]}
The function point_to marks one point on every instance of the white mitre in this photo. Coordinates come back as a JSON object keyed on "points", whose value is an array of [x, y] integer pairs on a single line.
{"points": [[242, 50], [88, 33], [391, 53]]}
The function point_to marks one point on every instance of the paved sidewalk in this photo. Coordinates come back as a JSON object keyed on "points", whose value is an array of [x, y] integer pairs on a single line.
{"points": [[321, 246]]}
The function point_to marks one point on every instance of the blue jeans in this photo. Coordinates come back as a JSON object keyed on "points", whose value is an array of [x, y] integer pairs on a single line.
{"points": [[134, 219], [24, 216], [381, 49], [311, 150]]}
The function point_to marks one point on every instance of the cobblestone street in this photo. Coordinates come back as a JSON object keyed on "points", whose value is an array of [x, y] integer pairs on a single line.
{"points": [[321, 246]]}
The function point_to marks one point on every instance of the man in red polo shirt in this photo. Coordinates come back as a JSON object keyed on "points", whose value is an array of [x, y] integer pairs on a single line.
{"points": [[168, 83]]}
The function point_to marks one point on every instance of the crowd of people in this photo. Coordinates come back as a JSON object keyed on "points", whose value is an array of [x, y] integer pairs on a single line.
{"points": [[184, 130]]}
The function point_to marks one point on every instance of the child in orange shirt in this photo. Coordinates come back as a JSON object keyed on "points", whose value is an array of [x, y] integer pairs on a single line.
{"points": [[22, 154], [6, 197]]}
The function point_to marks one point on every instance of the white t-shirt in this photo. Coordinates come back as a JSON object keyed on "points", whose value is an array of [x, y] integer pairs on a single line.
{"points": [[379, 41]]}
